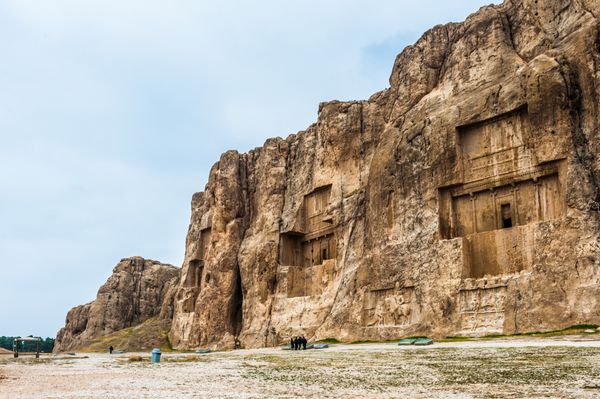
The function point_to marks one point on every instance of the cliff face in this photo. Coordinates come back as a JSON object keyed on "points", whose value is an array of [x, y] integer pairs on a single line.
{"points": [[137, 290], [463, 199]]}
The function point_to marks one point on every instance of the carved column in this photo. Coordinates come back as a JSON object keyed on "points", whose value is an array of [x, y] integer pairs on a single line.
{"points": [[538, 201], [515, 190], [474, 212], [494, 194]]}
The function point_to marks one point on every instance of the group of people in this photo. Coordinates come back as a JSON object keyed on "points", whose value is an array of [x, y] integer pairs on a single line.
{"points": [[298, 342]]}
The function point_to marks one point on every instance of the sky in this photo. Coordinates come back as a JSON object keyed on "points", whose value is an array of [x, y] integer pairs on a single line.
{"points": [[113, 111]]}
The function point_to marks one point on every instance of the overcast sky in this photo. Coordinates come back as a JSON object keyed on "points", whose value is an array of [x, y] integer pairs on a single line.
{"points": [[112, 113]]}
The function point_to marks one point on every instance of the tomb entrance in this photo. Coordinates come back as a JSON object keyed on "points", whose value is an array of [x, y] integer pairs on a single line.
{"points": [[503, 192], [311, 245]]}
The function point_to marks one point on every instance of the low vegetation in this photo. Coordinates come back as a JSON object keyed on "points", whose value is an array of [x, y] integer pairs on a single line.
{"points": [[150, 334], [502, 373], [365, 371], [329, 341], [578, 329]]}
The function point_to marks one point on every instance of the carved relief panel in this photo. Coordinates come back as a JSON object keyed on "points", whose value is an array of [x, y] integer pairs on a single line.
{"points": [[494, 147], [315, 207], [482, 310], [390, 307]]}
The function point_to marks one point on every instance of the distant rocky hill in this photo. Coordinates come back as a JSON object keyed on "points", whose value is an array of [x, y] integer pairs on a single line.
{"points": [[138, 290], [462, 200]]}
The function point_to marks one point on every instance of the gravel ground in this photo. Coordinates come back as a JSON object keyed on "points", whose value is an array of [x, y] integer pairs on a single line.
{"points": [[517, 368]]}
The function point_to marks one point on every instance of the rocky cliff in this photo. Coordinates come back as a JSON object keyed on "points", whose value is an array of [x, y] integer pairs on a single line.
{"points": [[137, 290], [461, 200]]}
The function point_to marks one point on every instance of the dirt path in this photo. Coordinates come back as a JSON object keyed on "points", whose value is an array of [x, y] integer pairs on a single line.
{"points": [[522, 368]]}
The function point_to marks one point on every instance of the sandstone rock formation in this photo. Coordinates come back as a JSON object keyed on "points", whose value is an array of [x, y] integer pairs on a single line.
{"points": [[462, 200], [138, 290]]}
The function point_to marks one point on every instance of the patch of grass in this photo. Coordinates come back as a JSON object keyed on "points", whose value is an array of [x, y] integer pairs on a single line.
{"points": [[502, 372], [33, 360], [455, 339], [572, 330], [277, 359], [136, 359], [169, 344], [363, 342], [391, 340], [516, 366], [186, 359], [152, 333], [584, 326], [329, 341], [497, 336]]}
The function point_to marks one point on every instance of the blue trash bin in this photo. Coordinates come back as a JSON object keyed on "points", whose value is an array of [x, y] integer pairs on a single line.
{"points": [[156, 355]]}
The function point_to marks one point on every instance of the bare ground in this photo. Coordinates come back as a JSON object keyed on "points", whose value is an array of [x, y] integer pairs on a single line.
{"points": [[516, 368]]}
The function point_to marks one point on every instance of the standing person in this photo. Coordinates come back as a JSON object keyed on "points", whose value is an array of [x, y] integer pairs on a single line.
{"points": [[296, 341], [110, 349], [292, 343], [303, 342]]}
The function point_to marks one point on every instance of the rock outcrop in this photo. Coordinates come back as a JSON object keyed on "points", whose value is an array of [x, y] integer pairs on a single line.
{"points": [[137, 290], [462, 200]]}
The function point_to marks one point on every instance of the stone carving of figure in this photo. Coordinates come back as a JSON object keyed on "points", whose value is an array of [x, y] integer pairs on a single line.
{"points": [[390, 307]]}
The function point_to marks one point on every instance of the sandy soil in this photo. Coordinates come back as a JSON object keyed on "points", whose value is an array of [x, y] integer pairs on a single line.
{"points": [[517, 368]]}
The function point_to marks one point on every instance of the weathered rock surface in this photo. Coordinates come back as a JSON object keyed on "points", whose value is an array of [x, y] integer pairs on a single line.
{"points": [[462, 200], [138, 289]]}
